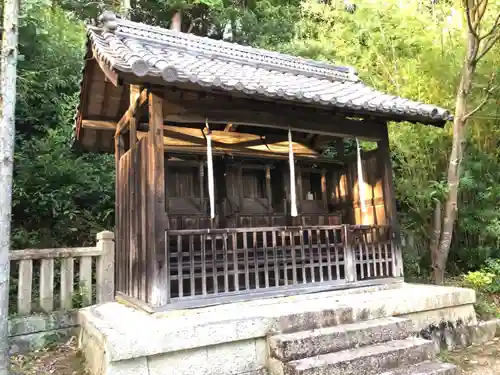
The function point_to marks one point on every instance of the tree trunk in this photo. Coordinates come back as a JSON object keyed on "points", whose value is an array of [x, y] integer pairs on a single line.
{"points": [[7, 131], [176, 24], [440, 253]]}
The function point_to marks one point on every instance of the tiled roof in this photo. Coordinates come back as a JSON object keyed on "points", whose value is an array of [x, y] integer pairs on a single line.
{"points": [[176, 57]]}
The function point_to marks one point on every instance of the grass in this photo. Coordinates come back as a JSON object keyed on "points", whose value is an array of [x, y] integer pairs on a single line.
{"points": [[62, 359]]}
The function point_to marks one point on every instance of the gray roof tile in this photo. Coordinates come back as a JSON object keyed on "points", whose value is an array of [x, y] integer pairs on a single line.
{"points": [[179, 57]]}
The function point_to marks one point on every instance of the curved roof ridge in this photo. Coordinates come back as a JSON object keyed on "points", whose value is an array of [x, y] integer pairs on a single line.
{"points": [[212, 48]]}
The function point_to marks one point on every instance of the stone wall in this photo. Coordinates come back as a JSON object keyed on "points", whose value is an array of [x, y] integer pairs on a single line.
{"points": [[34, 332]]}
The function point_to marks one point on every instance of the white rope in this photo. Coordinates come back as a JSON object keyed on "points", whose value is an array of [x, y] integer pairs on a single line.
{"points": [[293, 195], [361, 182], [210, 167]]}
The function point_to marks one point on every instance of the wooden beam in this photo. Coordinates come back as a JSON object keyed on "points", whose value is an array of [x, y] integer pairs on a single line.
{"points": [[135, 93], [230, 128], [238, 111], [136, 102]]}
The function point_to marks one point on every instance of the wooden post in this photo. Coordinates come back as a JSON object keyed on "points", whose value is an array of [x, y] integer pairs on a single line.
{"points": [[120, 234], [390, 203], [158, 292], [134, 198], [349, 256], [105, 275]]}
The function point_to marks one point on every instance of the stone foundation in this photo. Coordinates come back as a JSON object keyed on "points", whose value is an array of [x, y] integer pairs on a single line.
{"points": [[231, 339]]}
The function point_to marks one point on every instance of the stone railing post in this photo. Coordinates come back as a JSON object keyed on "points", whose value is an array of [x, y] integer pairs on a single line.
{"points": [[105, 278]]}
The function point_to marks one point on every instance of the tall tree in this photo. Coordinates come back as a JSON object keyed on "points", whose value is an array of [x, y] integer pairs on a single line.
{"points": [[479, 41], [7, 131]]}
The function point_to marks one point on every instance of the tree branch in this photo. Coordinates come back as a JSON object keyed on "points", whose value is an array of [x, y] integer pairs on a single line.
{"points": [[488, 45], [492, 30], [489, 92], [469, 21]]}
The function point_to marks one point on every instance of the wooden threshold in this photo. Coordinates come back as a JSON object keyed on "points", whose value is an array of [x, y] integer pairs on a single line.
{"points": [[245, 296]]}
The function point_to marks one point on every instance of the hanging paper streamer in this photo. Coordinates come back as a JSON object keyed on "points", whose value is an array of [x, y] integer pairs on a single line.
{"points": [[293, 196], [361, 182], [210, 167]]}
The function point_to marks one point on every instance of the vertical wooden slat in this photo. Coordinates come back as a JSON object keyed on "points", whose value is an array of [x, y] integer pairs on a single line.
{"points": [[361, 259], [329, 256], [214, 263], [85, 279], [303, 256], [256, 259], [247, 266], [275, 256], [192, 276], [266, 259], [294, 257], [180, 280], [367, 250], [226, 261], [349, 256], [380, 259], [25, 286], [285, 255], [320, 252], [236, 274], [386, 260], [67, 275], [47, 285], [311, 255], [203, 240], [393, 257]]}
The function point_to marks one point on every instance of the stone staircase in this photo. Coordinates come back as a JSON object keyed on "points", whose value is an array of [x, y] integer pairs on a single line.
{"points": [[373, 347]]}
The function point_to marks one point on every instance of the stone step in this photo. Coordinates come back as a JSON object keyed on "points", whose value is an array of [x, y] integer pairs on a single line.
{"points": [[367, 360], [425, 368], [293, 346]]}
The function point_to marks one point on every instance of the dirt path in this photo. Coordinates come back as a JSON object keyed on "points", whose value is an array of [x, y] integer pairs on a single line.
{"points": [[477, 360], [59, 360]]}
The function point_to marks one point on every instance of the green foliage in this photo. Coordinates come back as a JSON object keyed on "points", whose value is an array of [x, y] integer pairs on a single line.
{"points": [[479, 280], [487, 279], [59, 198], [62, 198]]}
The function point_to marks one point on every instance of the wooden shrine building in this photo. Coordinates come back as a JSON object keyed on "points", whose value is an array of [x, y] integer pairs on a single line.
{"points": [[224, 188]]}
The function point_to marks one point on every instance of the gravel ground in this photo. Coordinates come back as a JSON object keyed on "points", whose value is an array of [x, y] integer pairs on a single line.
{"points": [[478, 359], [58, 360]]}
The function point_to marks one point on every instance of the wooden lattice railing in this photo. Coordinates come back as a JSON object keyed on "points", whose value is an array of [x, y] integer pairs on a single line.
{"points": [[243, 260], [62, 279]]}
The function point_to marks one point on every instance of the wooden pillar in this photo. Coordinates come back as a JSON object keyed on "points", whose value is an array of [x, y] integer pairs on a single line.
{"points": [[158, 287], [391, 214], [119, 151], [134, 230]]}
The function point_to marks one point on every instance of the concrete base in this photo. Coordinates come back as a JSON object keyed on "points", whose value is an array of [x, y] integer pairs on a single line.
{"points": [[231, 339]]}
